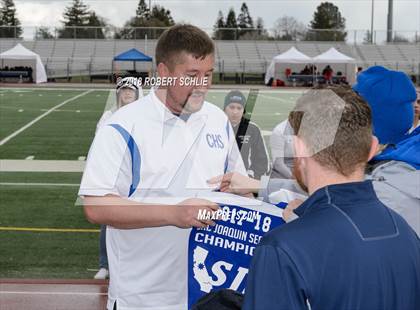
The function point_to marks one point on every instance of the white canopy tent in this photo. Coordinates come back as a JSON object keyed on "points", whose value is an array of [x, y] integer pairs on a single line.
{"points": [[22, 57], [338, 62], [292, 59]]}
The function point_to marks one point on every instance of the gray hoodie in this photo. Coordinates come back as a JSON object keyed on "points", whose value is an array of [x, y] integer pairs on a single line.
{"points": [[397, 186]]}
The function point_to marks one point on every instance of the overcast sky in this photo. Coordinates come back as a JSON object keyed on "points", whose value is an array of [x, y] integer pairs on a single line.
{"points": [[204, 13]]}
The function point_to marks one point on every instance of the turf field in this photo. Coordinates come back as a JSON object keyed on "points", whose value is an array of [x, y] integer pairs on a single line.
{"points": [[43, 233]]}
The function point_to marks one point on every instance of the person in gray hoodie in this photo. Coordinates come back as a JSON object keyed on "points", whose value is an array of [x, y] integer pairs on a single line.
{"points": [[395, 171]]}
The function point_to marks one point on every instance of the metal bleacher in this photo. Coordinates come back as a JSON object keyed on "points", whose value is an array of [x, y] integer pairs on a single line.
{"points": [[67, 57]]}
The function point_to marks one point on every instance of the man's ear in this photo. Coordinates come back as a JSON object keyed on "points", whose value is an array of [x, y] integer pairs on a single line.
{"points": [[300, 148], [162, 70], [374, 147]]}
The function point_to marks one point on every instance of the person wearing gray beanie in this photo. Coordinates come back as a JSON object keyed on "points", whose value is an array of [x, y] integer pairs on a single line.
{"points": [[248, 136]]}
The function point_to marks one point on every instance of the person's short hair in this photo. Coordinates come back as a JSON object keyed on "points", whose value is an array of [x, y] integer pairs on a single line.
{"points": [[182, 38], [335, 125]]}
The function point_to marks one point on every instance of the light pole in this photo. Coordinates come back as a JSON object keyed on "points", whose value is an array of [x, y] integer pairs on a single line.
{"points": [[371, 22], [390, 17]]}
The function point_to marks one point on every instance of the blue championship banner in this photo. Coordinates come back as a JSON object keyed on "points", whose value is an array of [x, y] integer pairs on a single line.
{"points": [[219, 256]]}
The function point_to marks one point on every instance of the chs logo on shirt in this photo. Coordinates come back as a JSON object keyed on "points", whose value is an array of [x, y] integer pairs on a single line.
{"points": [[215, 141]]}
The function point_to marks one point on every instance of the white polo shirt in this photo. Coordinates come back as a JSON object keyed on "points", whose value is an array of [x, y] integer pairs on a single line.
{"points": [[145, 153]]}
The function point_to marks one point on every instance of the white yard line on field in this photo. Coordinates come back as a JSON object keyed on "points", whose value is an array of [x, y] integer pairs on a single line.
{"points": [[41, 117]]}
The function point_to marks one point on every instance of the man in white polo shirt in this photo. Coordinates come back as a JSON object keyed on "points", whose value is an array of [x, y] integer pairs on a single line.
{"points": [[144, 168]]}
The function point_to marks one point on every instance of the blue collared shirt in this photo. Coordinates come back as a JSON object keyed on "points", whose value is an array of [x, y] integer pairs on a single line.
{"points": [[345, 251]]}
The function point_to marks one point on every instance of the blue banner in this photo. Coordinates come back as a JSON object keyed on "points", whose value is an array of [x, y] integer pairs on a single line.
{"points": [[219, 256]]}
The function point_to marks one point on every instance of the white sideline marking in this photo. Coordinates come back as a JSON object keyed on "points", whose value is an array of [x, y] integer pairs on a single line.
{"points": [[12, 90], [31, 157], [52, 293], [39, 184], [20, 110], [81, 158], [77, 111], [21, 165], [41, 116]]}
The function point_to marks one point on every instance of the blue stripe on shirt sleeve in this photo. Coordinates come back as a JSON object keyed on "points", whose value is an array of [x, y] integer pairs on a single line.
{"points": [[135, 157]]}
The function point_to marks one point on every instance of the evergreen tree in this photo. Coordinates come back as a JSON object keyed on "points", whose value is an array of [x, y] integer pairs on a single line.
{"points": [[96, 21], [76, 15], [218, 27], [327, 16], [8, 20], [244, 20], [77, 20], [231, 34], [142, 10], [158, 16]]}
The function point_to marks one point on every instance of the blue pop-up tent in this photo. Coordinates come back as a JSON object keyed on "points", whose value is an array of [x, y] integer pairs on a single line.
{"points": [[133, 55]]}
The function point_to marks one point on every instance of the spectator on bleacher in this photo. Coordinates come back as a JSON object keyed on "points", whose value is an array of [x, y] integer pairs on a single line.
{"points": [[127, 92], [327, 73], [248, 136]]}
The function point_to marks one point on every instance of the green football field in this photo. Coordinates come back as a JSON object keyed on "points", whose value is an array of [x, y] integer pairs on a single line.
{"points": [[43, 232]]}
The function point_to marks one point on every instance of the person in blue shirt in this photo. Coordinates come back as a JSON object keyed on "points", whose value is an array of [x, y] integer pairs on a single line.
{"points": [[346, 250]]}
